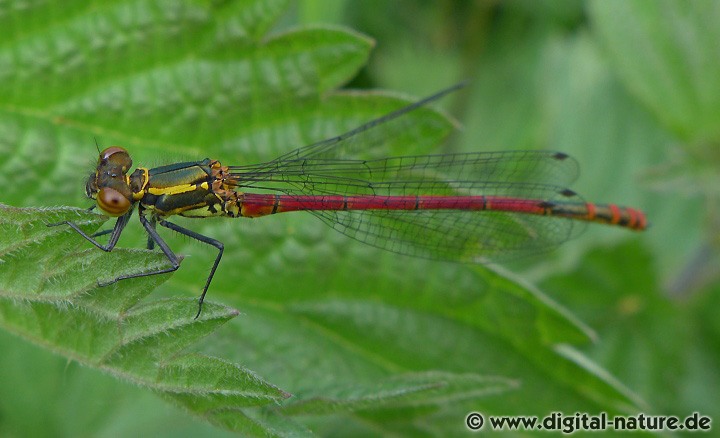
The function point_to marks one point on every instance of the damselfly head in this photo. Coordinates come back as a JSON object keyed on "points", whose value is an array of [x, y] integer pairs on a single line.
{"points": [[109, 184]]}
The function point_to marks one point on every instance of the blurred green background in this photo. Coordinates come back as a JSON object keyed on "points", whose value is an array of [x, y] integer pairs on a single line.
{"points": [[614, 321]]}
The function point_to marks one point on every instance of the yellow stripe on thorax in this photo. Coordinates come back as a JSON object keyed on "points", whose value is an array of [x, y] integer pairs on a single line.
{"points": [[174, 190]]}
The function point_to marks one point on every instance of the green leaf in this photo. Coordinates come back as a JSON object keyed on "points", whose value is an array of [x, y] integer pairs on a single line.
{"points": [[366, 342], [658, 344], [60, 306], [409, 393], [666, 53]]}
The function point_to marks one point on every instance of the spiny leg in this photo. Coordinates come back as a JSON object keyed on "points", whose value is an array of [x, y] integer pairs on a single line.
{"points": [[120, 224], [204, 239], [153, 234]]}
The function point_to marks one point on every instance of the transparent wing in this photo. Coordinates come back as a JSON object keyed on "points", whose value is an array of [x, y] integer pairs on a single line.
{"points": [[466, 236], [472, 236], [334, 167]]}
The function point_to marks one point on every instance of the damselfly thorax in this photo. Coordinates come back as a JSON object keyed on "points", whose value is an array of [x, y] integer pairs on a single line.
{"points": [[469, 207]]}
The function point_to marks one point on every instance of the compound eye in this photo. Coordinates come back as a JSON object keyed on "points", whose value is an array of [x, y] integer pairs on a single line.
{"points": [[112, 202], [117, 156]]}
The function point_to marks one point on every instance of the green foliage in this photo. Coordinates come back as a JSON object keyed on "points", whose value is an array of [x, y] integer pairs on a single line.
{"points": [[50, 296], [334, 337]]}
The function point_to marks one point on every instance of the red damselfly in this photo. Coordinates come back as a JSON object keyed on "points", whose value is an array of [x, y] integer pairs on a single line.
{"points": [[467, 207]]}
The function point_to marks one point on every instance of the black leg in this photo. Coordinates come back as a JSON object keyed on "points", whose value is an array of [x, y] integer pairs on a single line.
{"points": [[153, 239], [120, 224], [101, 233], [204, 239], [152, 234], [150, 240]]}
